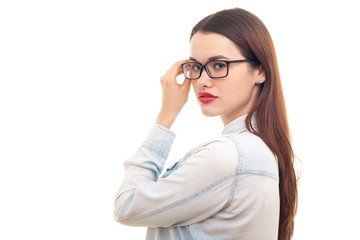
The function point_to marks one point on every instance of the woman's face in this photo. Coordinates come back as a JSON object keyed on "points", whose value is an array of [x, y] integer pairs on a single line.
{"points": [[235, 94]]}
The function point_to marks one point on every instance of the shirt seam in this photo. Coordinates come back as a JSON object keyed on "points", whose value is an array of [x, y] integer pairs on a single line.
{"points": [[260, 173], [236, 174], [184, 200], [160, 150]]}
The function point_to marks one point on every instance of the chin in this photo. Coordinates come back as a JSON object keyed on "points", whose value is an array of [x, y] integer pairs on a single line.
{"points": [[209, 113]]}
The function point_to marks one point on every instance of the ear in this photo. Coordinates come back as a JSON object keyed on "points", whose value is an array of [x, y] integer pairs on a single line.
{"points": [[260, 75]]}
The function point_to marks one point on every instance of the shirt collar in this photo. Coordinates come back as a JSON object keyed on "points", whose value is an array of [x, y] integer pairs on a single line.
{"points": [[238, 125]]}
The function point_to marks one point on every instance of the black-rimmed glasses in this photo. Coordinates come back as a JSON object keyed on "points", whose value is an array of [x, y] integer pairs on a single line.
{"points": [[215, 68]]}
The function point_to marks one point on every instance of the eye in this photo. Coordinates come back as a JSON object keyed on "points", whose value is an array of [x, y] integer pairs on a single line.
{"points": [[219, 65], [196, 67]]}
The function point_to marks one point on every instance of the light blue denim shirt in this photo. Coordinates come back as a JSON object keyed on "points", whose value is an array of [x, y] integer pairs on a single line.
{"points": [[226, 188]]}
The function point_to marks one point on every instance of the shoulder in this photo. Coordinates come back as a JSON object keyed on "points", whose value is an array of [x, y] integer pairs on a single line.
{"points": [[217, 156], [254, 155]]}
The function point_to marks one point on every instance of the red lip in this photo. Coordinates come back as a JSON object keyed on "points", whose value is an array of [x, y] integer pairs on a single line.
{"points": [[206, 97]]}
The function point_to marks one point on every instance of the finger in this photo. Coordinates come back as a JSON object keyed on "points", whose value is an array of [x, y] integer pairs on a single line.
{"points": [[173, 72], [176, 69]]}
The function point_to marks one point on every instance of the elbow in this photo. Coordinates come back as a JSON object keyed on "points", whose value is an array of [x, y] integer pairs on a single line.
{"points": [[120, 216], [122, 210], [125, 219], [117, 216]]}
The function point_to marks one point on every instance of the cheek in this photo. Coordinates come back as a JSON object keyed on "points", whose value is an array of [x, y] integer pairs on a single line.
{"points": [[237, 89], [232, 85], [194, 86]]}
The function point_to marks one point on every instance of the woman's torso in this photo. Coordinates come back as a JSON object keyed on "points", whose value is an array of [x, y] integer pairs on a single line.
{"points": [[252, 209]]}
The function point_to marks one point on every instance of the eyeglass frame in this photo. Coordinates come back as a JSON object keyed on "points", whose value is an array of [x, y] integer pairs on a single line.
{"points": [[207, 71]]}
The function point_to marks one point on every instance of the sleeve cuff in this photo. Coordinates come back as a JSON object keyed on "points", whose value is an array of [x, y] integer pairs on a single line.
{"points": [[160, 140]]}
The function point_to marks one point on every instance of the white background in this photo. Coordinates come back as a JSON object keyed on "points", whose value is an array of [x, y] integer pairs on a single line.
{"points": [[79, 90]]}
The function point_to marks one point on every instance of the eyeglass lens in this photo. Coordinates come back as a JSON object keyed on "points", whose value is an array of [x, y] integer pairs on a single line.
{"points": [[215, 69]]}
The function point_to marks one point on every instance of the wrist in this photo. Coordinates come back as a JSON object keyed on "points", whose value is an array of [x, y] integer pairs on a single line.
{"points": [[165, 119]]}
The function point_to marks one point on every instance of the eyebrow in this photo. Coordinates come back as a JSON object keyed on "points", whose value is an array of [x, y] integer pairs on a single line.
{"points": [[211, 58]]}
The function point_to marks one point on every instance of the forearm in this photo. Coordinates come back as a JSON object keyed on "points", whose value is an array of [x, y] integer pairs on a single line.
{"points": [[182, 197], [144, 166]]}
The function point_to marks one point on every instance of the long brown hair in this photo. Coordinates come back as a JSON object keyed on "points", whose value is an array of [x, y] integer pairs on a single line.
{"points": [[249, 33]]}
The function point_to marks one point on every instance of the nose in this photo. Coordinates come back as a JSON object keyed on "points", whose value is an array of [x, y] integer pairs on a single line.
{"points": [[204, 80]]}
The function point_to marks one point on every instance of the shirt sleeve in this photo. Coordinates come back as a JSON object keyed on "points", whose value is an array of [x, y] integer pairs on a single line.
{"points": [[201, 186]]}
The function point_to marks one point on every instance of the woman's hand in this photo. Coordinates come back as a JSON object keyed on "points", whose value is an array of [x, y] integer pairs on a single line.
{"points": [[174, 95]]}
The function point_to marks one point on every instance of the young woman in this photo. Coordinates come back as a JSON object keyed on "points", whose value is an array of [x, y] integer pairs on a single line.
{"points": [[240, 185]]}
